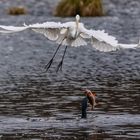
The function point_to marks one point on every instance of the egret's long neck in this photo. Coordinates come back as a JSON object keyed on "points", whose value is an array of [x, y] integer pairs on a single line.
{"points": [[76, 29], [77, 24]]}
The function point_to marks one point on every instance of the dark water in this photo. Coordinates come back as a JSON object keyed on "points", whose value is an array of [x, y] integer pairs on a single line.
{"points": [[37, 105]]}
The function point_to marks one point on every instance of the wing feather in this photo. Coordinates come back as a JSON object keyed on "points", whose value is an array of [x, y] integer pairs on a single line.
{"points": [[51, 30], [79, 41], [51, 34], [11, 29], [102, 46], [102, 41], [128, 46], [61, 40]]}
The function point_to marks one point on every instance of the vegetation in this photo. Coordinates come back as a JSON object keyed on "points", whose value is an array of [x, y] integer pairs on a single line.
{"points": [[81, 7], [17, 11]]}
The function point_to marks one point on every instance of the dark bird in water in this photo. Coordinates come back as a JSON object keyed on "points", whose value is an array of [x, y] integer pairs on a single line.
{"points": [[90, 96]]}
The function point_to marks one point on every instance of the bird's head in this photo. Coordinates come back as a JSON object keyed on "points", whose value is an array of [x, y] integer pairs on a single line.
{"points": [[77, 18], [89, 93]]}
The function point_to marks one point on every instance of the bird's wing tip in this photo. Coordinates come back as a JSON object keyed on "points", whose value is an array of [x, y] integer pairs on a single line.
{"points": [[139, 43]]}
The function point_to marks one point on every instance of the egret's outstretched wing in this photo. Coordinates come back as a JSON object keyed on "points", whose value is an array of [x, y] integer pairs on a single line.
{"points": [[102, 41], [51, 30], [127, 46], [11, 29]]}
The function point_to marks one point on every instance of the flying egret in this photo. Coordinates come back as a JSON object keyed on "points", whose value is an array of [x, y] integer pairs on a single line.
{"points": [[72, 34]]}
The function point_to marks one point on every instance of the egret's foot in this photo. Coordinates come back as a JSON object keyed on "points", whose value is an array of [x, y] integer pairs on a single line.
{"points": [[59, 67], [48, 65]]}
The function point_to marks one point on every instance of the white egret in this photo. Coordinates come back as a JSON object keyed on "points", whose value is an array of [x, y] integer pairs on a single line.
{"points": [[71, 34]]}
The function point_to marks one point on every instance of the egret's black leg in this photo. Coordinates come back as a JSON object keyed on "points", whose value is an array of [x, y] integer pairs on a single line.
{"points": [[50, 62], [59, 67]]}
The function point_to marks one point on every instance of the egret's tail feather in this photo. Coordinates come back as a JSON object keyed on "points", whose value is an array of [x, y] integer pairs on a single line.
{"points": [[11, 29]]}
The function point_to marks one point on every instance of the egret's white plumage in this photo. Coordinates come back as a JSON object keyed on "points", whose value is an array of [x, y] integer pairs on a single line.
{"points": [[72, 34]]}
